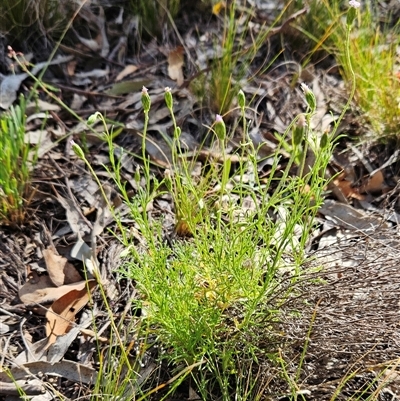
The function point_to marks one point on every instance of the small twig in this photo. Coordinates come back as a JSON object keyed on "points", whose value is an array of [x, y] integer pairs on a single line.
{"points": [[24, 340]]}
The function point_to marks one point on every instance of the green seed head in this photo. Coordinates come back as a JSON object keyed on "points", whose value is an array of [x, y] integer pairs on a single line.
{"points": [[299, 130], [168, 98], [310, 97], [77, 149], [324, 140], [93, 118], [177, 132], [241, 99], [352, 12], [146, 101], [219, 127]]}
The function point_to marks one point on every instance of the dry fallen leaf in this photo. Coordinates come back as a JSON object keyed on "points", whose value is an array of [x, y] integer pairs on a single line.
{"points": [[41, 290], [10, 84], [124, 87], [41, 105], [93, 334], [175, 64], [8, 323], [59, 269], [28, 387], [32, 352], [37, 290], [74, 217], [351, 218], [62, 313], [346, 187], [70, 370], [71, 67], [129, 69], [374, 184], [59, 348], [92, 44]]}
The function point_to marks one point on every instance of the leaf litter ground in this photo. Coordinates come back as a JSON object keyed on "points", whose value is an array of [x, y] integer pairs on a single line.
{"points": [[345, 307]]}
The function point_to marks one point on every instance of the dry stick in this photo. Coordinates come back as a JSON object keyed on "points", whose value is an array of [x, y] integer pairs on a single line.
{"points": [[6, 345], [24, 340]]}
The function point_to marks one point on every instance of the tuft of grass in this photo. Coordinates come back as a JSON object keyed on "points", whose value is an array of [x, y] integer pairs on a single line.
{"points": [[206, 299], [155, 14], [14, 164], [19, 19], [372, 54], [233, 64]]}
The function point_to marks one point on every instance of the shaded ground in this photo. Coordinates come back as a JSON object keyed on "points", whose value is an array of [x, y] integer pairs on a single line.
{"points": [[350, 308]]}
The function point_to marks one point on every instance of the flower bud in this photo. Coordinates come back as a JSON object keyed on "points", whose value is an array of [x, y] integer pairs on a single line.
{"points": [[136, 176], [77, 149], [168, 179], [354, 4], [93, 118], [241, 99], [146, 101], [219, 127], [352, 12], [168, 98], [299, 130], [177, 132], [324, 140], [310, 97]]}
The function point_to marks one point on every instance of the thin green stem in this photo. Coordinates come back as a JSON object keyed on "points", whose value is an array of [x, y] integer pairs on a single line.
{"points": [[352, 75], [145, 158]]}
